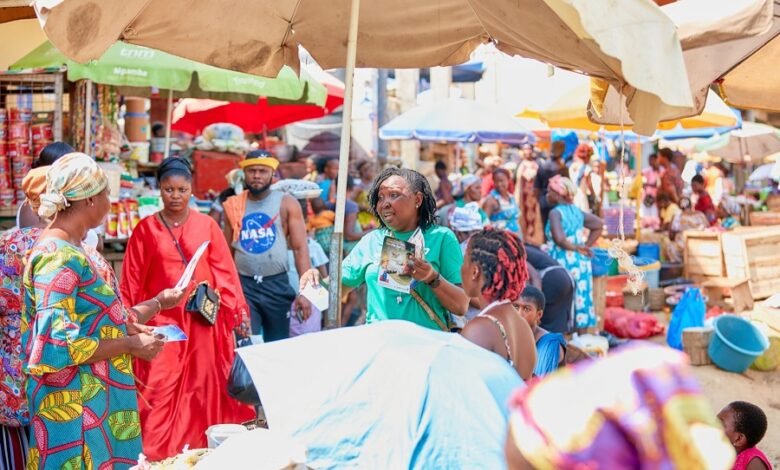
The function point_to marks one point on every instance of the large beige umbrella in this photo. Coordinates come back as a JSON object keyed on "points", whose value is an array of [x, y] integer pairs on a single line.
{"points": [[703, 26], [753, 83], [616, 41], [750, 144], [566, 108]]}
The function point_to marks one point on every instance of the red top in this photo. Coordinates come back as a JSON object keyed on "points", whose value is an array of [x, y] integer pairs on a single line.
{"points": [[186, 384], [704, 205], [744, 458]]}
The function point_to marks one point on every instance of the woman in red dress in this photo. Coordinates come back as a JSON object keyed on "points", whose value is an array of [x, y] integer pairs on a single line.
{"points": [[184, 390]]}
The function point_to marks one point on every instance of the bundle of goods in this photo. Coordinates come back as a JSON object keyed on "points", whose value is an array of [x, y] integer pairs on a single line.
{"points": [[22, 135], [223, 137], [122, 219], [634, 325]]}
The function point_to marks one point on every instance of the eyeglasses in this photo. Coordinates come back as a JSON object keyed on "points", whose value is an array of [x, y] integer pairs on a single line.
{"points": [[392, 197]]}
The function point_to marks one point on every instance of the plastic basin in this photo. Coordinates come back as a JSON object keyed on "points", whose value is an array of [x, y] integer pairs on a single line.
{"points": [[601, 262], [736, 343], [649, 250]]}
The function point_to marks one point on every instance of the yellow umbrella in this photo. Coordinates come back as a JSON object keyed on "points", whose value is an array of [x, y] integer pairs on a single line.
{"points": [[567, 109]]}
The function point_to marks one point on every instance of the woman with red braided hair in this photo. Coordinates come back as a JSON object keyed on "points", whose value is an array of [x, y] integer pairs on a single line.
{"points": [[495, 269]]}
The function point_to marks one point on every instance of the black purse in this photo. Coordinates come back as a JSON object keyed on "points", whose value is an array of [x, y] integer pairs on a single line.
{"points": [[240, 385], [203, 300]]}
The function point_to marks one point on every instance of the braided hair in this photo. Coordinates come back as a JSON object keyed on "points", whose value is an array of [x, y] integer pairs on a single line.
{"points": [[501, 257], [417, 184]]}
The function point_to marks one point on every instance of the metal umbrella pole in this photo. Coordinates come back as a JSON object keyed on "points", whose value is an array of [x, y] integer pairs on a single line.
{"points": [[168, 119], [333, 318]]}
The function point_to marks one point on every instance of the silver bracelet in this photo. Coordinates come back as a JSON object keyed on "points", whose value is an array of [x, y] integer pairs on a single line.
{"points": [[159, 304]]}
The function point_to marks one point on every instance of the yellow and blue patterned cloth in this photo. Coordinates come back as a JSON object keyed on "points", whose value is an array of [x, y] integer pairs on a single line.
{"points": [[74, 177]]}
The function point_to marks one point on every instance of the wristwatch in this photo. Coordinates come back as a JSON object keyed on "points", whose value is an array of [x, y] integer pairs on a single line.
{"points": [[435, 282]]}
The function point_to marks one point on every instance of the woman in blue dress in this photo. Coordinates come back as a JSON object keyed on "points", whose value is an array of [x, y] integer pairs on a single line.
{"points": [[501, 206], [569, 245]]}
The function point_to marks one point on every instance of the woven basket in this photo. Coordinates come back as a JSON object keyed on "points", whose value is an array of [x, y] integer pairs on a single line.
{"points": [[657, 300], [635, 303], [695, 343]]}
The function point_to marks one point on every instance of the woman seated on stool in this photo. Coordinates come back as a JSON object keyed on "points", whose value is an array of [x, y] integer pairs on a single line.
{"points": [[494, 267]]}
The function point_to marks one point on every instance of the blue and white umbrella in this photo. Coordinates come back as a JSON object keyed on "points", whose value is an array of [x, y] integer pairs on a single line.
{"points": [[457, 120]]}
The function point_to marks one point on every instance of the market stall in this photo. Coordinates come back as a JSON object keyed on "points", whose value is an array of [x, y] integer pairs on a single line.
{"points": [[31, 116], [102, 109]]}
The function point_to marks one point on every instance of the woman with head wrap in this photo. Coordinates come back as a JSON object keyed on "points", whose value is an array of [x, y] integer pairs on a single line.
{"points": [[77, 339], [189, 378], [639, 408], [569, 246]]}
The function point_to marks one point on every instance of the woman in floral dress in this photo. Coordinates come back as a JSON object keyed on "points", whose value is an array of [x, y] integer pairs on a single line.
{"points": [[569, 246]]}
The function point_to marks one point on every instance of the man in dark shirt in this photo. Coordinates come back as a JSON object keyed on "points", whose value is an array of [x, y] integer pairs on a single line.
{"points": [[558, 287]]}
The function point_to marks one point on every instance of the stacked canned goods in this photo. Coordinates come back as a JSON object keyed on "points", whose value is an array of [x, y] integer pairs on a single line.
{"points": [[21, 137]]}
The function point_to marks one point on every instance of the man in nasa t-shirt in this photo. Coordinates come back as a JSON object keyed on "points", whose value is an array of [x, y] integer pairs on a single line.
{"points": [[260, 223]]}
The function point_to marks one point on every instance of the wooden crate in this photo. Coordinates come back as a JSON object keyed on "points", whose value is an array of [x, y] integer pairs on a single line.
{"points": [[764, 218], [703, 255], [754, 255]]}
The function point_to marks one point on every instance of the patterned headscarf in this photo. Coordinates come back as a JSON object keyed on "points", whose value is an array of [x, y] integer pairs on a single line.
{"points": [[33, 185], [73, 177], [640, 407], [563, 186]]}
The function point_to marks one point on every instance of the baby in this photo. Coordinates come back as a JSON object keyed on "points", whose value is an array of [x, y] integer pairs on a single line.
{"points": [[745, 425]]}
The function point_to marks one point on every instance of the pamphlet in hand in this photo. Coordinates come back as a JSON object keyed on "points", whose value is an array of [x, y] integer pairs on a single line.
{"points": [[190, 269], [317, 295], [171, 333], [396, 264]]}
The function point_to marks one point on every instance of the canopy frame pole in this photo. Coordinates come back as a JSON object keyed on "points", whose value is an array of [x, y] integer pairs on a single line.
{"points": [[168, 120], [333, 318]]}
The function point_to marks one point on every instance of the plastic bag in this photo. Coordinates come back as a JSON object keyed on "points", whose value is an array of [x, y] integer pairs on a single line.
{"points": [[240, 385], [688, 313]]}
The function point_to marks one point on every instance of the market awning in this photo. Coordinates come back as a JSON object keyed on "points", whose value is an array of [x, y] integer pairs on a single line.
{"points": [[140, 68]]}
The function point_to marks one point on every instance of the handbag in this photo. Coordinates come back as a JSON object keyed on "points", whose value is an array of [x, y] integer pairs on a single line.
{"points": [[203, 300], [240, 385]]}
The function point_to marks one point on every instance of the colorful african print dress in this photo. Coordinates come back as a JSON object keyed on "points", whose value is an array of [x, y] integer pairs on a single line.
{"points": [[83, 415], [573, 223]]}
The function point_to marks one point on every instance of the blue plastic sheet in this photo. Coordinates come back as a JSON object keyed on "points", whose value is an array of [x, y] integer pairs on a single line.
{"points": [[386, 395]]}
